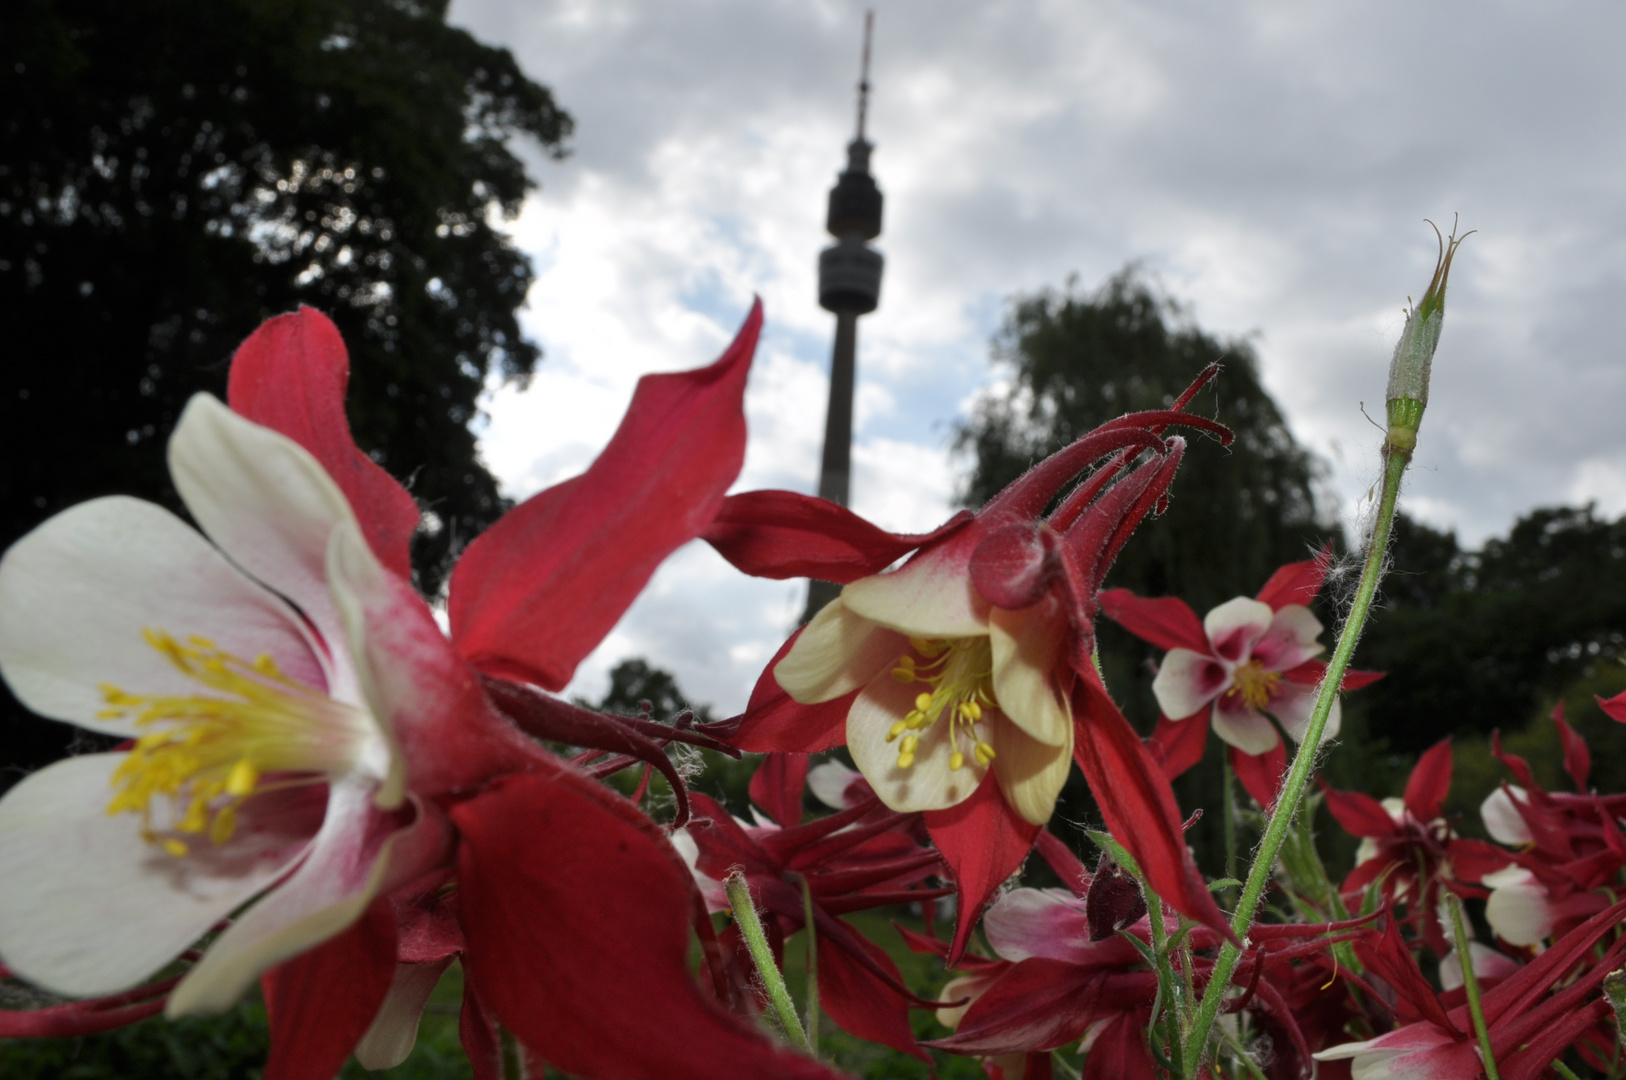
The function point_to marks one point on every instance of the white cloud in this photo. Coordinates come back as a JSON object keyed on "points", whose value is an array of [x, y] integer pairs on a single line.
{"points": [[1271, 163]]}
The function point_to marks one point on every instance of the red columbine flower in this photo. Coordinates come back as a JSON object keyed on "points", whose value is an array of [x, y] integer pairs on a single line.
{"points": [[861, 858], [306, 739], [963, 681], [1247, 662]]}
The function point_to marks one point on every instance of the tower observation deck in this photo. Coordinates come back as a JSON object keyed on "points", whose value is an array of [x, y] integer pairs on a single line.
{"points": [[849, 286]]}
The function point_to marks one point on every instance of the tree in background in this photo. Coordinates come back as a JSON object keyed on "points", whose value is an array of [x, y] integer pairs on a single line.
{"points": [[175, 171]]}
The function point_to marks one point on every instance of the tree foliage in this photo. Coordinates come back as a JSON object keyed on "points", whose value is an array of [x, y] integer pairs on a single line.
{"points": [[175, 171]]}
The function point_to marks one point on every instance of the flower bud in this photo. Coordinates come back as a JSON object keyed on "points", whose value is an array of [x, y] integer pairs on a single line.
{"points": [[1414, 354]]}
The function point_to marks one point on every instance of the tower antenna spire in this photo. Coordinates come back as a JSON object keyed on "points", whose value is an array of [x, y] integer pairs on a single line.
{"points": [[863, 72]]}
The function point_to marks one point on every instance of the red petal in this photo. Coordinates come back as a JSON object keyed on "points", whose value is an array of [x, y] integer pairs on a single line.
{"points": [[774, 722], [1359, 813], [1137, 803], [1167, 621], [576, 910], [290, 376], [1577, 758], [1615, 707], [1261, 774], [1429, 783], [1387, 956], [1515, 764], [322, 1002], [1296, 583], [1037, 1004], [539, 589], [477, 1030], [1062, 860], [1177, 745], [777, 785], [862, 1004], [983, 841], [782, 534], [86, 1017], [1310, 672]]}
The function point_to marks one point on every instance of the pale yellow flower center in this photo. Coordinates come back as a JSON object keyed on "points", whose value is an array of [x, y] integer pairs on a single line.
{"points": [[958, 675], [209, 752], [1254, 685]]}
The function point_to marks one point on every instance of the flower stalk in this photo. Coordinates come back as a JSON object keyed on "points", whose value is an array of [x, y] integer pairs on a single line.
{"points": [[1407, 398], [745, 917], [1470, 984]]}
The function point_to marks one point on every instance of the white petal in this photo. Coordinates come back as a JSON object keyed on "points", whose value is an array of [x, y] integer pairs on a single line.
{"points": [[966, 986], [837, 653], [88, 907], [1186, 681], [1249, 730], [1026, 647], [265, 500], [1031, 774], [931, 596], [395, 1028], [342, 872], [1037, 922], [1291, 640], [1488, 964], [928, 784], [711, 890], [829, 781], [1293, 705], [1502, 819], [1235, 625], [77, 593], [1518, 909]]}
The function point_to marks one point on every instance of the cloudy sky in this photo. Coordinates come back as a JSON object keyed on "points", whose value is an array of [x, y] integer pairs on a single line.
{"points": [[1269, 163]]}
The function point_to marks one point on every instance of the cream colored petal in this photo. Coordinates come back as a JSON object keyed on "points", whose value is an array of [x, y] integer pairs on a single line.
{"points": [[1027, 647], [1518, 909], [829, 781], [1031, 774], [931, 596], [395, 1028], [1235, 625], [838, 652], [1187, 681], [88, 907], [1249, 730], [266, 501], [1502, 819], [77, 593], [928, 784]]}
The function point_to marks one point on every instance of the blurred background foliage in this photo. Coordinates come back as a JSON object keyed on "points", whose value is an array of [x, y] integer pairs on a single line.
{"points": [[171, 173]]}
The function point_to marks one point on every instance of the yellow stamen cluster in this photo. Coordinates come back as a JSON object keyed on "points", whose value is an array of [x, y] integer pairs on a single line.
{"points": [[209, 753], [1254, 685], [959, 674]]}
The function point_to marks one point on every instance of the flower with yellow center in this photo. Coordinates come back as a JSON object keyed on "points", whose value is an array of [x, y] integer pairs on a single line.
{"points": [[262, 760], [951, 687], [1252, 648]]}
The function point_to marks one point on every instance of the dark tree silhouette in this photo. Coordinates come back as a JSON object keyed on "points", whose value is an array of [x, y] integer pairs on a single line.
{"points": [[172, 172]]}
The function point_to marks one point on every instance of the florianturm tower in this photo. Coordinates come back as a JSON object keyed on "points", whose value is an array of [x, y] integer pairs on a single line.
{"points": [[849, 286]]}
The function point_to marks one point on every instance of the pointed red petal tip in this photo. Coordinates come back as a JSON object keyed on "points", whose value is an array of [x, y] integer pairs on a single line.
{"points": [[1615, 707], [984, 842], [588, 546], [1297, 583], [1430, 782], [1577, 758], [1167, 621], [290, 376]]}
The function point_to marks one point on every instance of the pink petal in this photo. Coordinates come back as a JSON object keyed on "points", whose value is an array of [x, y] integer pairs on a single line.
{"points": [[1037, 922], [1292, 706], [539, 589], [290, 376], [782, 534], [529, 845], [1292, 639], [320, 1004], [1246, 729], [340, 875], [1186, 681], [1235, 625], [1166, 622]]}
